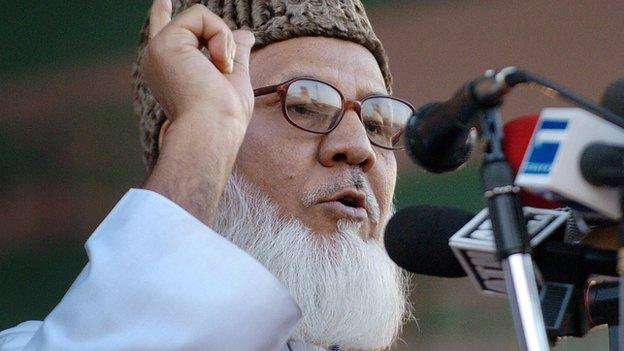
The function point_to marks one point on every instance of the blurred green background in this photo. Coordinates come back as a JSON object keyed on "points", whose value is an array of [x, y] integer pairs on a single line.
{"points": [[69, 146]]}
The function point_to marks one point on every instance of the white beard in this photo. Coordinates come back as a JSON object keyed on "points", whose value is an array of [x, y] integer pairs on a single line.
{"points": [[350, 293]]}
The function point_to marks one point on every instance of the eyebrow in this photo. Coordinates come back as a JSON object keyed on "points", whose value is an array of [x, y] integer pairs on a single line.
{"points": [[295, 73], [290, 74]]}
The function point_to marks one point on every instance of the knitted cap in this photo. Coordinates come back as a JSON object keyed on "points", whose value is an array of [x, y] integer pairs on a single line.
{"points": [[270, 21]]}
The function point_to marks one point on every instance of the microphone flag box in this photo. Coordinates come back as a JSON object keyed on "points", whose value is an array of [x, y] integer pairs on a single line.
{"points": [[551, 165], [474, 246]]}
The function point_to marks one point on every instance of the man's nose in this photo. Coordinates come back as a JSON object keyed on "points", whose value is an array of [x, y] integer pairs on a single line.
{"points": [[347, 143]]}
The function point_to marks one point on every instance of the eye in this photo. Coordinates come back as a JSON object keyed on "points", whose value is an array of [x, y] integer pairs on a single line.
{"points": [[299, 108], [373, 127], [310, 111], [269, 100]]}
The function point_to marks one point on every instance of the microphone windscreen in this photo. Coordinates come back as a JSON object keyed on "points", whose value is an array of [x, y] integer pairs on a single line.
{"points": [[613, 97], [518, 133], [417, 239], [602, 164]]}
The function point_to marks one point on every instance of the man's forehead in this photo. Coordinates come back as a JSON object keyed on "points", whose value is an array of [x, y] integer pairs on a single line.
{"points": [[347, 65], [352, 85]]}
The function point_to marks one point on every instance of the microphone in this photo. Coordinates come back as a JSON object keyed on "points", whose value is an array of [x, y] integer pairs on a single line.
{"points": [[613, 97], [573, 153], [474, 245], [447, 242], [562, 268], [518, 134], [417, 239], [440, 137], [603, 165], [552, 164], [421, 240]]}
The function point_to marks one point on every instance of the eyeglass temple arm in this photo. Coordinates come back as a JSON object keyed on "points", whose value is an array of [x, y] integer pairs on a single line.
{"points": [[266, 90]]}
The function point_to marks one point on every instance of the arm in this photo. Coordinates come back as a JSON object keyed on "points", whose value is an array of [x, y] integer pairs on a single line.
{"points": [[158, 279], [208, 104]]}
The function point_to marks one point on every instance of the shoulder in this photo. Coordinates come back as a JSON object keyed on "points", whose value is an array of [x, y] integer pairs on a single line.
{"points": [[15, 338]]}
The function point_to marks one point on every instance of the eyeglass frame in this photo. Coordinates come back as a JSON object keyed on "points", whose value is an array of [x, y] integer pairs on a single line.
{"points": [[347, 104]]}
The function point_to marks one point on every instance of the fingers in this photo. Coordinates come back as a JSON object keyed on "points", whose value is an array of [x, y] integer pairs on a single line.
{"points": [[240, 76], [160, 15], [213, 31], [221, 47], [245, 41]]}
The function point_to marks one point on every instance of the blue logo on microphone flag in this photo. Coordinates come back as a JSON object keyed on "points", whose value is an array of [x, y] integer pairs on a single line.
{"points": [[546, 143], [541, 159], [554, 125]]}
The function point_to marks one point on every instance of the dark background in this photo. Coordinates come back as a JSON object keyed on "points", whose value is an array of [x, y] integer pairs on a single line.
{"points": [[69, 146]]}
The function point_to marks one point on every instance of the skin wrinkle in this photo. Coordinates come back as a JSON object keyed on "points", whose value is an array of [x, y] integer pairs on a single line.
{"points": [[364, 84]]}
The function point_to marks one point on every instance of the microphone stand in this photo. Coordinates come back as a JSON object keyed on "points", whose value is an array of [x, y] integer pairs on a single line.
{"points": [[511, 237], [618, 334]]}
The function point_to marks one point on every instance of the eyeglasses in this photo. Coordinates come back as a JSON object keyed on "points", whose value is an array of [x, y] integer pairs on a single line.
{"points": [[318, 107]]}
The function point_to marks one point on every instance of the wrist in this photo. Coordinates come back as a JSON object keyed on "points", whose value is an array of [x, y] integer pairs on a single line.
{"points": [[196, 159], [221, 125]]}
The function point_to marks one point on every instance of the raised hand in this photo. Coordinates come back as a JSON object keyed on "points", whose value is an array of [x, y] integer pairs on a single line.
{"points": [[208, 102], [179, 75]]}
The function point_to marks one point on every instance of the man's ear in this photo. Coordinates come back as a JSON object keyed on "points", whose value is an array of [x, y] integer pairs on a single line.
{"points": [[163, 131]]}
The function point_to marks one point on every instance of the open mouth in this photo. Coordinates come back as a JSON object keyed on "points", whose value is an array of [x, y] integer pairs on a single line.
{"points": [[349, 201]]}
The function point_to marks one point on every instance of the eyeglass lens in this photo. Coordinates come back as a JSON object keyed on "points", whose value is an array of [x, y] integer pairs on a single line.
{"points": [[316, 106]]}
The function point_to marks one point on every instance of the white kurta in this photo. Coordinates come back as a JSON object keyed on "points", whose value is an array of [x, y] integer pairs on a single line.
{"points": [[159, 279]]}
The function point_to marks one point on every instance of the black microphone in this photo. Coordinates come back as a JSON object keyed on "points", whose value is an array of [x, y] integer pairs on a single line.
{"points": [[613, 97], [603, 164], [438, 135], [417, 239]]}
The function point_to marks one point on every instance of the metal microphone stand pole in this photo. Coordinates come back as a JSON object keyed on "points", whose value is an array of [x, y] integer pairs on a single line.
{"points": [[511, 237], [620, 268], [614, 331]]}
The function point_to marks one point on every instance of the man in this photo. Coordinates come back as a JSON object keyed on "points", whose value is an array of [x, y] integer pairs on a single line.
{"points": [[298, 172]]}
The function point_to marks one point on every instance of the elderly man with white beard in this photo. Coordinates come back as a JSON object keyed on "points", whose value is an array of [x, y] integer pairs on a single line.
{"points": [[260, 224]]}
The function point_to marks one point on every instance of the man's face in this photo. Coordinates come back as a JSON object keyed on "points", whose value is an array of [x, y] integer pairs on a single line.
{"points": [[350, 293], [288, 164]]}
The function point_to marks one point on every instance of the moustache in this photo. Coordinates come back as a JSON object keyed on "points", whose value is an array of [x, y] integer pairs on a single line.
{"points": [[356, 180]]}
